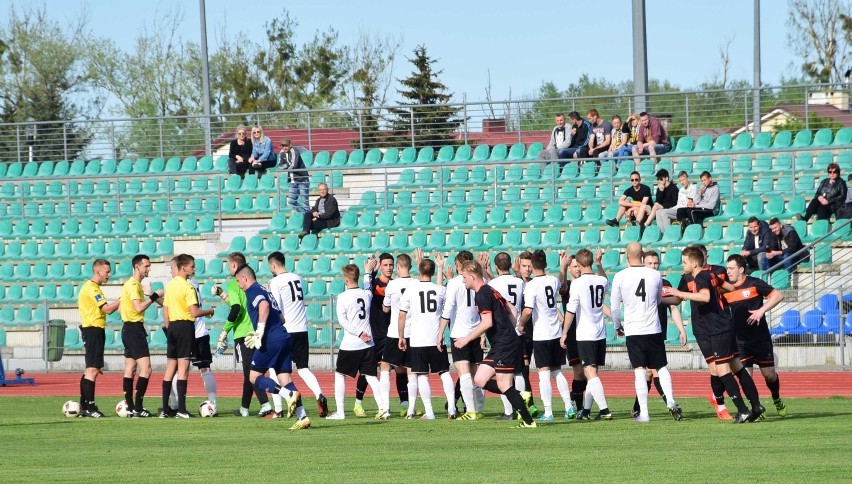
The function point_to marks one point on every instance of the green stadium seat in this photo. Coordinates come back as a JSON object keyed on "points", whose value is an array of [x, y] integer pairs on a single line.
{"points": [[426, 155], [445, 154], [408, 156], [762, 140], [843, 137], [533, 150], [373, 157], [692, 234], [591, 237], [742, 164], [671, 235], [499, 153], [462, 155], [822, 138], [684, 145], [437, 240], [742, 142], [723, 142], [339, 158], [671, 259], [516, 152], [783, 139], [321, 159], [651, 236], [481, 153], [532, 239], [703, 144], [441, 217], [803, 139], [61, 168], [494, 238], [356, 158], [734, 234]]}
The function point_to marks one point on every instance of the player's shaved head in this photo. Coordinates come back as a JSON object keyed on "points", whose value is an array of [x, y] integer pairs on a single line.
{"points": [[100, 263], [634, 253], [277, 257], [503, 261], [584, 258], [246, 272]]}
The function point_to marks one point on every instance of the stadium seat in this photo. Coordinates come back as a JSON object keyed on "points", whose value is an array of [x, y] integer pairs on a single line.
{"points": [[762, 140], [408, 155], [742, 142], [703, 144], [822, 137], [723, 142], [445, 154], [533, 150], [499, 153], [803, 139], [843, 137], [783, 139], [516, 152], [356, 158], [684, 144]]}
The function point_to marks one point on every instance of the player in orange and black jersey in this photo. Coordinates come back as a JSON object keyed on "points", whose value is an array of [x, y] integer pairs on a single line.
{"points": [[749, 311]]}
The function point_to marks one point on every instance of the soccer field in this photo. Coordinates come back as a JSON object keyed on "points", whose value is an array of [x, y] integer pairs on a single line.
{"points": [[39, 445]]}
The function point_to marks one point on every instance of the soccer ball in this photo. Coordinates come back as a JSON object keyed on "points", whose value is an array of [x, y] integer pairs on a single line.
{"points": [[71, 409], [207, 409], [121, 409]]}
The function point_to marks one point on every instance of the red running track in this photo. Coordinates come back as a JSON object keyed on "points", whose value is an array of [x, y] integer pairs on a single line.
{"points": [[794, 384]]}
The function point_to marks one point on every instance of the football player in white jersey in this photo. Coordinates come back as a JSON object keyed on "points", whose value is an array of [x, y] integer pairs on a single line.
{"points": [[286, 289], [585, 304], [392, 356], [540, 310], [421, 307], [640, 289], [355, 354], [462, 317]]}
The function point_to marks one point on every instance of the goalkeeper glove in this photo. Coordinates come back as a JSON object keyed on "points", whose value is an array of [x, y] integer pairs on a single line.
{"points": [[223, 344], [254, 338], [218, 291]]}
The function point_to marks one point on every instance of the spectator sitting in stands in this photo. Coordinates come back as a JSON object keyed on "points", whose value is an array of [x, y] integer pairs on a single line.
{"points": [[291, 159], [325, 214], [829, 196], [601, 135], [785, 242], [560, 138], [580, 132], [705, 205], [631, 129], [845, 210], [635, 202], [754, 247], [262, 156], [666, 197], [686, 194], [618, 145], [239, 153], [651, 138]]}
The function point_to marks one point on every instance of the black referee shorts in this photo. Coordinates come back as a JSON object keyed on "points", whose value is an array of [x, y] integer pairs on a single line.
{"points": [[94, 340], [181, 339]]}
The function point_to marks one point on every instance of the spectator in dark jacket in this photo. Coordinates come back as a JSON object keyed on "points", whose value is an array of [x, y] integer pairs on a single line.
{"points": [[845, 210], [239, 153], [290, 159], [829, 196], [784, 243], [667, 194], [580, 132], [756, 241], [324, 215]]}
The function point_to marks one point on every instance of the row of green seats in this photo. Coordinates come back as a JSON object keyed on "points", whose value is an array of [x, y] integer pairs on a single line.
{"points": [[411, 155], [156, 166], [52, 293], [121, 226], [84, 248], [764, 140]]}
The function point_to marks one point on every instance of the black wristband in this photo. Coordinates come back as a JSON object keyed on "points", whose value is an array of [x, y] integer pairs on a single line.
{"points": [[154, 296]]}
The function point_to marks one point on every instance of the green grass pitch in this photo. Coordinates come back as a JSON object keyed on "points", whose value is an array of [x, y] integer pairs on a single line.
{"points": [[39, 445]]}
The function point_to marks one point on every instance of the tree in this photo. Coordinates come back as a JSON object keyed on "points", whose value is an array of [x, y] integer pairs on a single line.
{"points": [[372, 73], [429, 119], [821, 33], [43, 77]]}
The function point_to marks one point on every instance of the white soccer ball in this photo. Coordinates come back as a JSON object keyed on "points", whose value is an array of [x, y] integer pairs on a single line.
{"points": [[71, 409], [207, 409], [121, 409]]}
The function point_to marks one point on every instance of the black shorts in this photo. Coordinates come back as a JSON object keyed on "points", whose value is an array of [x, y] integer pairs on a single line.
{"points": [[428, 359], [201, 356], [757, 351], [471, 353], [571, 351], [94, 339], [352, 362], [181, 339], [300, 349], [549, 354], [527, 341], [379, 347], [134, 337], [718, 348], [592, 352], [394, 356], [647, 351], [505, 359]]}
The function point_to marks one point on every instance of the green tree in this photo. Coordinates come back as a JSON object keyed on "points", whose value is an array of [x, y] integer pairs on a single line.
{"points": [[820, 32], [372, 73], [427, 116]]}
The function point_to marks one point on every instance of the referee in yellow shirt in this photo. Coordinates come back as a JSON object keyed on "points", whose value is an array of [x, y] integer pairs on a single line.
{"points": [[93, 308], [134, 335], [180, 309]]}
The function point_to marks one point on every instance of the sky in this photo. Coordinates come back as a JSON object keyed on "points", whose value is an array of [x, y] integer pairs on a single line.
{"points": [[521, 43]]}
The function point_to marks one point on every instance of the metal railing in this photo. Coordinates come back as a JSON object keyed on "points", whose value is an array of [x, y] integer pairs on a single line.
{"points": [[685, 113]]}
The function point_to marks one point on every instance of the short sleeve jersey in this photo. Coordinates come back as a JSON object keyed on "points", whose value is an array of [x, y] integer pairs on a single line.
{"points": [[379, 319], [255, 296], [502, 333], [353, 315], [585, 301], [287, 291], [511, 288], [715, 316], [423, 302], [540, 296], [749, 296], [636, 196], [131, 291], [200, 323], [393, 294], [639, 289], [459, 308], [89, 302], [180, 295]]}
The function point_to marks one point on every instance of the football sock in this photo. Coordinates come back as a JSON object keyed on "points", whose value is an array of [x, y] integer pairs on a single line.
{"points": [[83, 403], [181, 391], [507, 405], [748, 386], [718, 389], [664, 385], [578, 387], [173, 397], [167, 392], [466, 384], [267, 384], [339, 392], [518, 402], [458, 392], [377, 392], [276, 398], [734, 391], [360, 388], [261, 395], [641, 385], [492, 387], [774, 387], [478, 399], [562, 386], [311, 381], [587, 401], [402, 386], [209, 384], [384, 384], [141, 388], [520, 383], [88, 391], [127, 384], [450, 392], [412, 394], [425, 393], [597, 390], [248, 390], [525, 372], [545, 389]]}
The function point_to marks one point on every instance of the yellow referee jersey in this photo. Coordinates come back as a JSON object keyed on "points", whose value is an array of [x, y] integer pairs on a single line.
{"points": [[89, 303], [180, 295], [132, 291]]}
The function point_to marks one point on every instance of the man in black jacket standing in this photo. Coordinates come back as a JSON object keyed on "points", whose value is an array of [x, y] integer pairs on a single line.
{"points": [[291, 159], [784, 243], [324, 215]]}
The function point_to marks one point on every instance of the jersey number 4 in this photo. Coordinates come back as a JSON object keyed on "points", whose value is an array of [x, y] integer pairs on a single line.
{"points": [[640, 290]]}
